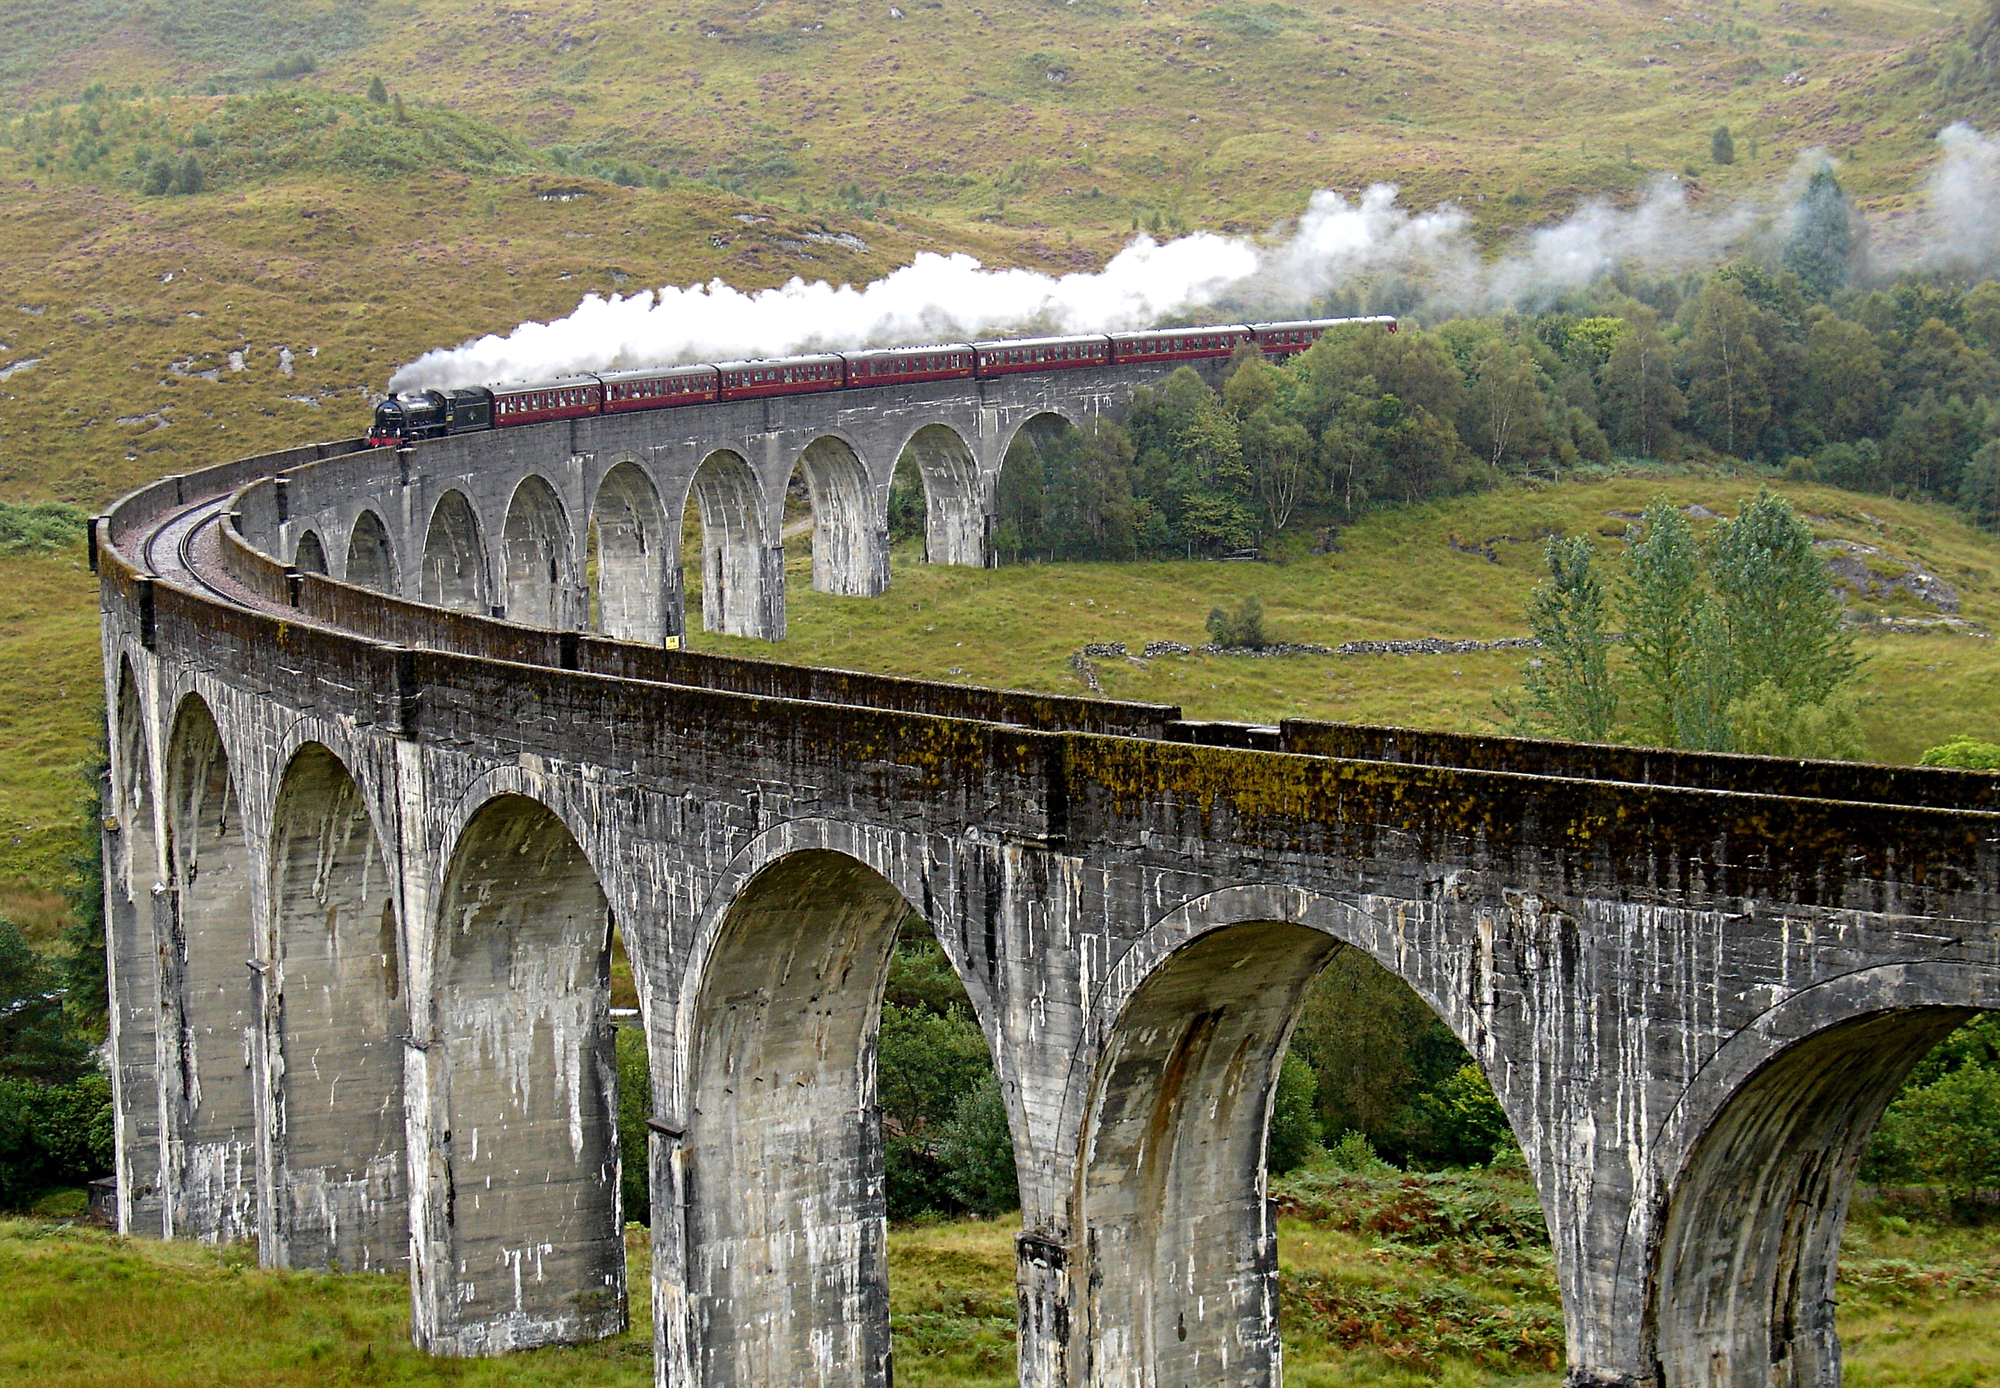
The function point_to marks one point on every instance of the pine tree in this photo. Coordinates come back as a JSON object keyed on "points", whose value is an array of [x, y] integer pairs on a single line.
{"points": [[1659, 599], [1821, 246], [378, 93], [1778, 606], [188, 179], [1722, 146], [1569, 686]]}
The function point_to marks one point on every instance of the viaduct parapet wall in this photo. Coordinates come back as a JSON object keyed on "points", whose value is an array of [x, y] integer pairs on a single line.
{"points": [[368, 844]]}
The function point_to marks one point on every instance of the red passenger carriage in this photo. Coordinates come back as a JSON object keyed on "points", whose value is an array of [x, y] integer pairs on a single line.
{"points": [[746, 380], [1282, 339], [895, 366], [569, 398], [1040, 354], [656, 388], [1178, 344]]}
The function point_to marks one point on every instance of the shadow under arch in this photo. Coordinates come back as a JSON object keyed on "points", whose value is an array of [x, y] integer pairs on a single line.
{"points": [[371, 560], [536, 563], [1044, 422], [131, 878], [342, 1183], [310, 555], [209, 1048], [529, 1085], [1045, 507], [850, 537], [955, 511], [1180, 1279], [635, 555], [791, 1286], [1742, 1279], [454, 572], [742, 575]]}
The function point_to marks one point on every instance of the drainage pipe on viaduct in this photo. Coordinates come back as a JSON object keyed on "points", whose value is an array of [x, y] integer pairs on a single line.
{"points": [[377, 806]]}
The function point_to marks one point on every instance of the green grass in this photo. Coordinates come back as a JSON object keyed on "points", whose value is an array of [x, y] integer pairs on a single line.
{"points": [[84, 1308], [1397, 575], [51, 712], [1372, 1296]]}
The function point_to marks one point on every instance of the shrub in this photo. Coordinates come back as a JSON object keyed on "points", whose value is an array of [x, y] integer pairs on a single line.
{"points": [[1466, 1120], [1242, 629], [1355, 1153], [1947, 1133], [35, 1044], [52, 1135], [1966, 752], [1766, 723], [976, 1150], [1294, 1136], [41, 526]]}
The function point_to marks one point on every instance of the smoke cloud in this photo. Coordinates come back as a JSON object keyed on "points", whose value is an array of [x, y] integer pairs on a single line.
{"points": [[1335, 244]]}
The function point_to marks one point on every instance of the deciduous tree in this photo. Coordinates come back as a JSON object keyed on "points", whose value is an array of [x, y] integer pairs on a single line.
{"points": [[1845, 381], [1642, 402], [1728, 372]]}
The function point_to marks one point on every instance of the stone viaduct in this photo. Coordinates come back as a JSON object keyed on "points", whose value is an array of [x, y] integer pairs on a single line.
{"points": [[378, 804]]}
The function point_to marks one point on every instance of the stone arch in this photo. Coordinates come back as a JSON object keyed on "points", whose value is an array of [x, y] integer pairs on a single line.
{"points": [[371, 559], [1741, 1287], [780, 1095], [1021, 528], [212, 956], [342, 1182], [535, 556], [636, 554], [1387, 929], [957, 515], [1180, 1283], [742, 574], [454, 574], [310, 555], [1047, 418], [132, 877], [529, 1084], [850, 520]]}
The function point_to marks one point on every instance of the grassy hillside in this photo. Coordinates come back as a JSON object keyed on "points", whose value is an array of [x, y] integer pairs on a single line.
{"points": [[145, 335], [1082, 115], [51, 710]]}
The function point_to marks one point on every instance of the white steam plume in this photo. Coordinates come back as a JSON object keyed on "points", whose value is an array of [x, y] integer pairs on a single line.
{"points": [[935, 298], [1336, 242], [1964, 194]]}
